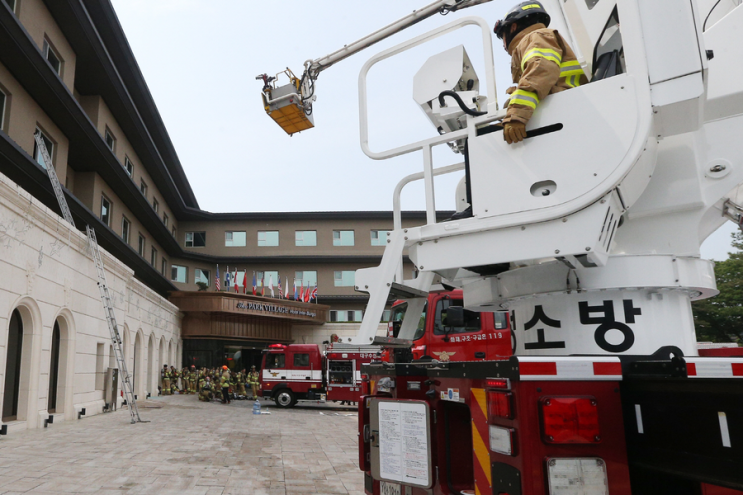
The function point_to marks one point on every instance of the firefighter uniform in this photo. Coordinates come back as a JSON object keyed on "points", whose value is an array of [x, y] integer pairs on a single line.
{"points": [[542, 64], [166, 381], [240, 378], [225, 384], [254, 382], [174, 375], [205, 390]]}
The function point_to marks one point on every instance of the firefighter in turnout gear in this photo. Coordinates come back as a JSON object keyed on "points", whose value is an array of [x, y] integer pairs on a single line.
{"points": [[174, 375], [542, 63], [240, 378], [205, 389], [166, 380], [225, 384], [194, 380], [253, 381]]}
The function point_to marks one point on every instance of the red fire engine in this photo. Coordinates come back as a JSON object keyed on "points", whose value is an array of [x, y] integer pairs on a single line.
{"points": [[295, 372], [482, 336]]}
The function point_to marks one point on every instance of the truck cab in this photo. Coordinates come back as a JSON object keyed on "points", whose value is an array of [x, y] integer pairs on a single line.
{"points": [[484, 336]]}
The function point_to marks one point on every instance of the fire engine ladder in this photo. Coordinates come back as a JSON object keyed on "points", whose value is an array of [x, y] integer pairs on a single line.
{"points": [[108, 307]]}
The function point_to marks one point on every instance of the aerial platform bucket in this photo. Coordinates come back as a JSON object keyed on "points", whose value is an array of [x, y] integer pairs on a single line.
{"points": [[284, 106]]}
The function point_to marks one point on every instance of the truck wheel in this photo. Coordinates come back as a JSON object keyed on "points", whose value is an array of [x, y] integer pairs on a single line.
{"points": [[285, 399]]}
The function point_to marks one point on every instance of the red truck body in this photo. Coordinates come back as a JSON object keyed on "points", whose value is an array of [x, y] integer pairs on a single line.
{"points": [[485, 336], [295, 372]]}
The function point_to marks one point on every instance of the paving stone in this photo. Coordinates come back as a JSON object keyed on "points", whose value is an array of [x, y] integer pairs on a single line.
{"points": [[188, 448]]}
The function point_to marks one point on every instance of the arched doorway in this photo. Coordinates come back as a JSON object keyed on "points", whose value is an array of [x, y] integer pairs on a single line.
{"points": [[13, 368], [51, 405], [151, 369], [137, 366]]}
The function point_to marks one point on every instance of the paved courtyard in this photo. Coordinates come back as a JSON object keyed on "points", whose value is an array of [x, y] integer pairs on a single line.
{"points": [[189, 448]]}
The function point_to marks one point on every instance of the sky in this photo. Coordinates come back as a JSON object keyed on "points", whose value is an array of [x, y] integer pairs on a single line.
{"points": [[200, 59]]}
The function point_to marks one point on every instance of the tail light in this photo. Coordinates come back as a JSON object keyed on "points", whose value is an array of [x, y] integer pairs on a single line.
{"points": [[499, 405], [500, 402], [570, 420]]}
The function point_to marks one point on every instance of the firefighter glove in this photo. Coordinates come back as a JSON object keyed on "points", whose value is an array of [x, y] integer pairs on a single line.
{"points": [[514, 132]]}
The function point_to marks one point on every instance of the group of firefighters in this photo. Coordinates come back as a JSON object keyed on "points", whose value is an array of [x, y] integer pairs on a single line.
{"points": [[211, 383]]}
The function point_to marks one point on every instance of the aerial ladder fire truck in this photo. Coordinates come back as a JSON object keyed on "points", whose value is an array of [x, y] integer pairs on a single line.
{"points": [[592, 243]]}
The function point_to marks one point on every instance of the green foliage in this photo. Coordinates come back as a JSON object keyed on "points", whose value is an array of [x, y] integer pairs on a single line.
{"points": [[202, 286], [720, 319]]}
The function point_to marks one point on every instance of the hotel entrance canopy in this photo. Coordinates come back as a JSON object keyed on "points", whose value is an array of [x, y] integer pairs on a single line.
{"points": [[224, 315]]}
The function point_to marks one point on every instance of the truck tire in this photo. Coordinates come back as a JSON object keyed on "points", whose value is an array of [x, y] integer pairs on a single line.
{"points": [[285, 398]]}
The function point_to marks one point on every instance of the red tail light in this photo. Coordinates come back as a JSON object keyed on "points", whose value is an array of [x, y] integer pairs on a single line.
{"points": [[570, 420], [497, 383], [499, 405]]}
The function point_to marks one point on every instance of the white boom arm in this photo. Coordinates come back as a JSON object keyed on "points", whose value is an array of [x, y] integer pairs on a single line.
{"points": [[314, 67], [290, 105]]}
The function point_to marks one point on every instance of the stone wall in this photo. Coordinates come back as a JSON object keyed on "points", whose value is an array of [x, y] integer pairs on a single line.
{"points": [[48, 277]]}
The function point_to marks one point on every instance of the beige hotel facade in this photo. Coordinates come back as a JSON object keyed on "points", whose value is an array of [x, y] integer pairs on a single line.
{"points": [[67, 71]]}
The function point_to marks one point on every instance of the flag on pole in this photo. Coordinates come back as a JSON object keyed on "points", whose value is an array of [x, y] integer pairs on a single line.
{"points": [[270, 284], [234, 280], [227, 279], [263, 284], [245, 282], [301, 291], [255, 285], [216, 280], [314, 293], [307, 293], [281, 292], [295, 290], [287, 287]]}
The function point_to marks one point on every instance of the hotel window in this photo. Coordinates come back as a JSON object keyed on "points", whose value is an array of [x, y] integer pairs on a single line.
{"points": [[143, 188], [343, 238], [305, 238], [140, 246], [344, 278], [49, 148], [172, 231], [128, 166], [105, 210], [195, 239], [235, 239], [165, 219], [306, 278], [110, 140], [200, 275], [126, 227], [153, 257], [2, 109], [51, 56], [155, 205], [163, 267], [178, 273], [344, 316], [379, 237], [268, 238], [267, 276]]}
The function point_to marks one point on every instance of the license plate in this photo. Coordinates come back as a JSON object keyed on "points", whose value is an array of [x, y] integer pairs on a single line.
{"points": [[389, 488]]}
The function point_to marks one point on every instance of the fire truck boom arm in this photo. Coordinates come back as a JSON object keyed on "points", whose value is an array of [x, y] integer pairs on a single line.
{"points": [[314, 67]]}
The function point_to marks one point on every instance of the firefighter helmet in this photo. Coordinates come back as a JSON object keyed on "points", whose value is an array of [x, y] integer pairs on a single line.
{"points": [[519, 12]]}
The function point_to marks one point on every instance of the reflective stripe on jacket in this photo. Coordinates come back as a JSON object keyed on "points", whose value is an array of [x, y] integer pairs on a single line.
{"points": [[542, 63]]}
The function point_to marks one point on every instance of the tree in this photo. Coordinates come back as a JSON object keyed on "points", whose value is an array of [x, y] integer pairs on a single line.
{"points": [[720, 319], [202, 286]]}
